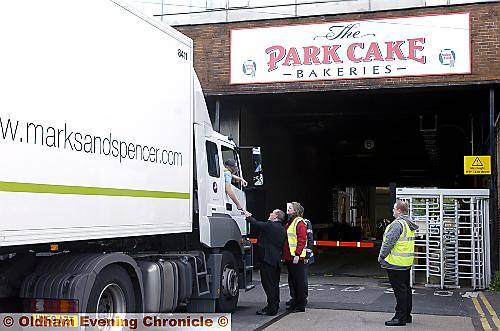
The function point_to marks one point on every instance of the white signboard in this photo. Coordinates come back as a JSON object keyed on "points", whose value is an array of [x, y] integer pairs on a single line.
{"points": [[396, 47]]}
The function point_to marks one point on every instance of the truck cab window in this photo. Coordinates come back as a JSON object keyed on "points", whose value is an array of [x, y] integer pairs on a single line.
{"points": [[213, 159], [228, 153]]}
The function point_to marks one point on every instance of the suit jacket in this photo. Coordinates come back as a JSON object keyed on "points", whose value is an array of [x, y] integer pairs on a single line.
{"points": [[271, 239]]}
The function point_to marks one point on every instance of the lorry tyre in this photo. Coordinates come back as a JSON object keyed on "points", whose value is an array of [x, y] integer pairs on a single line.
{"points": [[229, 290], [112, 292]]}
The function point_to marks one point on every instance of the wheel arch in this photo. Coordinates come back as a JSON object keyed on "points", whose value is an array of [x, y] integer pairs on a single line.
{"points": [[235, 248], [71, 276]]}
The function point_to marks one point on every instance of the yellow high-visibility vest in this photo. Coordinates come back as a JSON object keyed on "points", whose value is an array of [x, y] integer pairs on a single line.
{"points": [[403, 252], [292, 237]]}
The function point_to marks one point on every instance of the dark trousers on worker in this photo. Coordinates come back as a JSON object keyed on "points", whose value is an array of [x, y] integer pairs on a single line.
{"points": [[296, 282], [400, 282], [270, 278], [306, 283]]}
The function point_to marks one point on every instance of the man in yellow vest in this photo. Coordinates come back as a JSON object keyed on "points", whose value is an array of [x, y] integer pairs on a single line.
{"points": [[396, 256]]}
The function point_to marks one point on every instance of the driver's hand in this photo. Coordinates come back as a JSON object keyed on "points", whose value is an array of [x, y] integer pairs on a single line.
{"points": [[244, 182]]}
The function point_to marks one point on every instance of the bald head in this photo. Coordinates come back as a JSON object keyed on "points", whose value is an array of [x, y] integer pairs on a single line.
{"points": [[277, 215]]}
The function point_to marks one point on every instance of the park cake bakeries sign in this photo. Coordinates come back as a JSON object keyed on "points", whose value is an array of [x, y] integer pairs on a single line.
{"points": [[396, 47]]}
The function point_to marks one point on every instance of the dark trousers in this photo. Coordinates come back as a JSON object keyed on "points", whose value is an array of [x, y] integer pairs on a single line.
{"points": [[270, 277], [400, 282], [296, 282], [306, 283]]}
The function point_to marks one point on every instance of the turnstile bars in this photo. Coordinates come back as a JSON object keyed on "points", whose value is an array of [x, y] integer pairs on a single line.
{"points": [[452, 242]]}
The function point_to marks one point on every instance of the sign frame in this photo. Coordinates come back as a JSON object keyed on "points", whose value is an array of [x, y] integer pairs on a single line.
{"points": [[255, 66]]}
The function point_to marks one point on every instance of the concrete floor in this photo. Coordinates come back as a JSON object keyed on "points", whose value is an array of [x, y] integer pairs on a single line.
{"points": [[347, 289], [326, 319]]}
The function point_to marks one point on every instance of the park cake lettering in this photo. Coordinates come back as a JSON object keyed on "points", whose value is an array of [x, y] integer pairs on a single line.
{"points": [[351, 50]]}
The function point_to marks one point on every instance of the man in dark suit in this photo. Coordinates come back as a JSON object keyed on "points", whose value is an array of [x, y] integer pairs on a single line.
{"points": [[271, 239]]}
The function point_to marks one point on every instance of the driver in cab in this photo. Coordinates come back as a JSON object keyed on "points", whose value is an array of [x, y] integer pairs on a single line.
{"points": [[230, 171]]}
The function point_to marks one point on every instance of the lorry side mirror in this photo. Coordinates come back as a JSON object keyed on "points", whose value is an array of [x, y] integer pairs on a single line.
{"points": [[258, 175], [251, 162]]}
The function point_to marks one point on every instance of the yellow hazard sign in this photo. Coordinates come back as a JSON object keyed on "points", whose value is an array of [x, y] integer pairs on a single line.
{"points": [[477, 165]]}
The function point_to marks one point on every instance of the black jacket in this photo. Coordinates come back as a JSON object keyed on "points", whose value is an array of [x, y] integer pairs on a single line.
{"points": [[272, 237]]}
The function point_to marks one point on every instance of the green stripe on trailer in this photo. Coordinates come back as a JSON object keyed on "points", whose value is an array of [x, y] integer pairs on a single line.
{"points": [[85, 190]]}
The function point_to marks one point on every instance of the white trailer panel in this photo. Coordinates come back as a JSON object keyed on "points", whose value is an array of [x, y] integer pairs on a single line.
{"points": [[95, 123]]}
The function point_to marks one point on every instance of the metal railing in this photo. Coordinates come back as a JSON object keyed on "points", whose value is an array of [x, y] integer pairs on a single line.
{"points": [[217, 11], [452, 242]]}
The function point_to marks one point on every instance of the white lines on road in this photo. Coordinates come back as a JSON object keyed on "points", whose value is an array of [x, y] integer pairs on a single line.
{"points": [[324, 287], [388, 290], [470, 295], [353, 289]]}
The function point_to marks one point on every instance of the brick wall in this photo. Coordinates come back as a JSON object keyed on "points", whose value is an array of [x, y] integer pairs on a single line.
{"points": [[211, 52]]}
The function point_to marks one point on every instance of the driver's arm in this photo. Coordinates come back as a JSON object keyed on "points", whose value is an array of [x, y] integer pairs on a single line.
{"points": [[230, 193]]}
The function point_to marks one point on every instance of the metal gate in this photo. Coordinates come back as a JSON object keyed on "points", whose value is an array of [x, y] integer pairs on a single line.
{"points": [[452, 242]]}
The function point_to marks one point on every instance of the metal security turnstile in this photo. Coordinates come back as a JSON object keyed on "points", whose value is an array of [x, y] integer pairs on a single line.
{"points": [[452, 242]]}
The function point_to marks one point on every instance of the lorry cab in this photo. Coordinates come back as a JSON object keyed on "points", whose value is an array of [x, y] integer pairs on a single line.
{"points": [[222, 226]]}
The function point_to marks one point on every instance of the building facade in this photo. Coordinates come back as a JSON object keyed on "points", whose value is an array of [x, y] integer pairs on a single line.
{"points": [[342, 94]]}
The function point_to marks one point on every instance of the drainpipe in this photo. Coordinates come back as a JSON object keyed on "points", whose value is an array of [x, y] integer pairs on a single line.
{"points": [[493, 195], [217, 116]]}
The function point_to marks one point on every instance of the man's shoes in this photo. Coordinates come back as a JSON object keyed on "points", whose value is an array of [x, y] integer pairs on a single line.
{"points": [[409, 319], [272, 313], [263, 311], [266, 311], [289, 303], [395, 322], [296, 310]]}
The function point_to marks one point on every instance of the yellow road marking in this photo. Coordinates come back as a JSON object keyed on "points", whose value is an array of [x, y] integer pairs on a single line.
{"points": [[492, 312], [482, 317]]}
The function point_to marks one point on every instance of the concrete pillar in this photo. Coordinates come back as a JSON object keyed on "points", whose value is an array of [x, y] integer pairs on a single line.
{"points": [[230, 120]]}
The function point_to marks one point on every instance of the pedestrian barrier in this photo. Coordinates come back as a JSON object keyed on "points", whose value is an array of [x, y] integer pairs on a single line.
{"points": [[336, 243], [452, 242]]}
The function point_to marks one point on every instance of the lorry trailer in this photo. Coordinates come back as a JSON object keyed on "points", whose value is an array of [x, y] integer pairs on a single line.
{"points": [[112, 185]]}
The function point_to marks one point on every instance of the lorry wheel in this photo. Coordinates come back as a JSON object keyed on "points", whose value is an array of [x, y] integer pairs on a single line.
{"points": [[229, 290], [112, 292]]}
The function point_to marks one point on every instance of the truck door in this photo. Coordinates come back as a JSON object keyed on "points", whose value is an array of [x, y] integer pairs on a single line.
{"points": [[238, 215], [216, 193]]}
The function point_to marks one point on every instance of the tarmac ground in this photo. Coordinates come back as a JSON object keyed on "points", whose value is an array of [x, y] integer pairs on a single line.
{"points": [[348, 290]]}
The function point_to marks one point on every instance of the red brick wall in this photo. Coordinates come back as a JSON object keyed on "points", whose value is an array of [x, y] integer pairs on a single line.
{"points": [[211, 52]]}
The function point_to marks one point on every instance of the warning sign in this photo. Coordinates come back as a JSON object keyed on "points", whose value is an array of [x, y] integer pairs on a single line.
{"points": [[477, 165]]}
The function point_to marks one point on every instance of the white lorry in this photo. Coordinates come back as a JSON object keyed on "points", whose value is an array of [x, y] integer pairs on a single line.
{"points": [[112, 191]]}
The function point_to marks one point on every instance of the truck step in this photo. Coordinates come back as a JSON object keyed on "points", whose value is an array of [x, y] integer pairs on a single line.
{"points": [[249, 287]]}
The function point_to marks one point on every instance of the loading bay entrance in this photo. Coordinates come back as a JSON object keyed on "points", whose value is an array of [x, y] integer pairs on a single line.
{"points": [[342, 154]]}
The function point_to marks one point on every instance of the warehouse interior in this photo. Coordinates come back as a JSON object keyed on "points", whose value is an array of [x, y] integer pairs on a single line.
{"points": [[343, 153]]}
